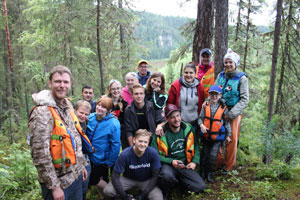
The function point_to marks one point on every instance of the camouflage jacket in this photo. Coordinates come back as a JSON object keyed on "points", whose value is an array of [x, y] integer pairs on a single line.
{"points": [[40, 127]]}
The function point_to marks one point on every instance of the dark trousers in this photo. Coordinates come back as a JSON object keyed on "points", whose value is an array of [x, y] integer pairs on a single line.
{"points": [[208, 156], [170, 176], [73, 192]]}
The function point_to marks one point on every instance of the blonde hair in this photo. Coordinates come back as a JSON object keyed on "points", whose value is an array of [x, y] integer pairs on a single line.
{"points": [[83, 103], [135, 86], [142, 132]]}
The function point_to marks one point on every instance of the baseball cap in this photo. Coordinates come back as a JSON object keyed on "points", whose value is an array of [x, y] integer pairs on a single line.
{"points": [[215, 88], [170, 108], [143, 61]]}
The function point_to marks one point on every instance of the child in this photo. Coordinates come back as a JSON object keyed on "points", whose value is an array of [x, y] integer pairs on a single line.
{"points": [[82, 111], [155, 90], [213, 129]]}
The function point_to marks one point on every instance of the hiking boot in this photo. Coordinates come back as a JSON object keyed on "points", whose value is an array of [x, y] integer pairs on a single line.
{"points": [[210, 177]]}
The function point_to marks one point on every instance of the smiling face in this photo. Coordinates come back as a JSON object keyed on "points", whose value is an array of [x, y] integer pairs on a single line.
{"points": [[143, 69], [82, 114], [155, 82], [101, 111], [189, 75], [229, 65], [174, 120], [115, 90], [214, 97], [138, 95], [140, 144], [60, 85], [205, 59], [130, 81]]}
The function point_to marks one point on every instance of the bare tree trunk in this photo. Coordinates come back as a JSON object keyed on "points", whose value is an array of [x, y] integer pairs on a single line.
{"points": [[99, 48], [283, 63], [267, 158], [122, 42], [247, 35], [204, 28], [274, 60], [238, 21], [12, 75], [221, 34]]}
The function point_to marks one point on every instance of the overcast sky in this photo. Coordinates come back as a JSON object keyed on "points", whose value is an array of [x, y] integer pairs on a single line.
{"points": [[189, 9]]}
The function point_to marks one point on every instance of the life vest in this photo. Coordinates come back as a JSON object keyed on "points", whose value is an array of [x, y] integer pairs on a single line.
{"points": [[62, 143], [189, 143], [216, 131], [207, 80], [229, 88]]}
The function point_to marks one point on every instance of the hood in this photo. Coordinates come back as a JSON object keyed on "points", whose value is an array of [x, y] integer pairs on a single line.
{"points": [[107, 117], [189, 85], [42, 98], [231, 74]]}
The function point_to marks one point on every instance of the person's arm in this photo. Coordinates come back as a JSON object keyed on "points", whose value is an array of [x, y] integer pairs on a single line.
{"points": [[159, 100], [128, 126], [114, 142], [227, 123], [172, 95], [40, 129], [150, 186], [244, 98], [115, 179]]}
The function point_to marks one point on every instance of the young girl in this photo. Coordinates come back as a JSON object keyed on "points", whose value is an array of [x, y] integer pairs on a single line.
{"points": [[155, 90], [234, 84], [118, 107]]}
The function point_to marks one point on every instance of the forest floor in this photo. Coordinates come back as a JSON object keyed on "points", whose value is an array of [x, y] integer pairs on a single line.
{"points": [[241, 183]]}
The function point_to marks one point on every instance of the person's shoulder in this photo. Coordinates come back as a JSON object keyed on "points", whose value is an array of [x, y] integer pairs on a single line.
{"points": [[151, 150]]}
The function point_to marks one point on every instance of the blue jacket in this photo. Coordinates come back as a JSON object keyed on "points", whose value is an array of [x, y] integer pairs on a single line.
{"points": [[105, 139], [143, 79], [230, 89]]}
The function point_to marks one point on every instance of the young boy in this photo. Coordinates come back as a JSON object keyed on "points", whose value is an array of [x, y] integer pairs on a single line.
{"points": [[82, 111], [213, 130]]}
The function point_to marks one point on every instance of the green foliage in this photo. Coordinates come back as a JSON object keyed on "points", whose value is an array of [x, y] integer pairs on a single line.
{"points": [[18, 177], [275, 171]]}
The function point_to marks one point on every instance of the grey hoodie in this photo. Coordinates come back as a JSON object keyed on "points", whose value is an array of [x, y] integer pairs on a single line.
{"points": [[188, 100]]}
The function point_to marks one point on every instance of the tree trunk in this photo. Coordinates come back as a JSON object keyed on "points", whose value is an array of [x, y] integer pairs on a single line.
{"points": [[12, 75], [99, 48], [274, 68], [221, 34], [122, 43], [247, 35], [285, 53], [238, 21], [26, 96], [1, 111], [204, 28]]}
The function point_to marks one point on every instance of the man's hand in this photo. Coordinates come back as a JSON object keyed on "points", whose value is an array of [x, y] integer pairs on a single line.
{"points": [[203, 128], [159, 131], [84, 174], [191, 166], [178, 164], [58, 193]]}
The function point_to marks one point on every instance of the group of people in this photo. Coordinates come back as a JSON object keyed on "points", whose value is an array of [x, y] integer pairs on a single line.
{"points": [[138, 136]]}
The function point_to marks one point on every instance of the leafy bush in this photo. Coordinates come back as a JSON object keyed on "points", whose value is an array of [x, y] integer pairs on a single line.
{"points": [[18, 176], [275, 171]]}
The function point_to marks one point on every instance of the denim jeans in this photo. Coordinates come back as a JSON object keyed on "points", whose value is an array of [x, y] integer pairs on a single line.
{"points": [[73, 192], [85, 184]]}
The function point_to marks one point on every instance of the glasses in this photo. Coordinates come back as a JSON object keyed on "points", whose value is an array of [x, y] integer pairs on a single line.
{"points": [[143, 66]]}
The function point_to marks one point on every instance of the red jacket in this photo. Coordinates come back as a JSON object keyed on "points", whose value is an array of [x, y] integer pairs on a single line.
{"points": [[174, 93]]}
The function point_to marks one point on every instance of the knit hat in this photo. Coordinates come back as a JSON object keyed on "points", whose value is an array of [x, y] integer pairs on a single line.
{"points": [[233, 56], [205, 50]]}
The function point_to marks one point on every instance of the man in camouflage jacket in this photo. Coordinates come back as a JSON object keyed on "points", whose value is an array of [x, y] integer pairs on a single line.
{"points": [[56, 183]]}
